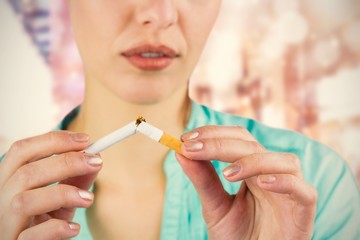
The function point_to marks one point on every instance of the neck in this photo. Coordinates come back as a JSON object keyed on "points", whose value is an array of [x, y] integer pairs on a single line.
{"points": [[136, 157]]}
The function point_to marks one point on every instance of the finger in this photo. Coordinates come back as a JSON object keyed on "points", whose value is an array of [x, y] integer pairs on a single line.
{"points": [[63, 214], [236, 132], [54, 169], [43, 200], [299, 191], [223, 149], [263, 163], [214, 199], [51, 230], [35, 148], [82, 182], [40, 219]]}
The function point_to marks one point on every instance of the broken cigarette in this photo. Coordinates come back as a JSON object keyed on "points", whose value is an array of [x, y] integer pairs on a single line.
{"points": [[130, 129], [112, 138], [159, 136]]}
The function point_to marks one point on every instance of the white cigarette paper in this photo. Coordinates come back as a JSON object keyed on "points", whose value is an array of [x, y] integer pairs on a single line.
{"points": [[112, 138], [160, 136]]}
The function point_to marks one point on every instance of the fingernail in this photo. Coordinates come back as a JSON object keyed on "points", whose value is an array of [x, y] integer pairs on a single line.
{"points": [[86, 195], [74, 226], [79, 137], [190, 135], [267, 178], [232, 170], [93, 160], [193, 146]]}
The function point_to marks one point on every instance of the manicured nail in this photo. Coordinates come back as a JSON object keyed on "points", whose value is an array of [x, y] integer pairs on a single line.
{"points": [[79, 137], [86, 195], [93, 160], [190, 135], [193, 146], [74, 226], [267, 178], [232, 170]]}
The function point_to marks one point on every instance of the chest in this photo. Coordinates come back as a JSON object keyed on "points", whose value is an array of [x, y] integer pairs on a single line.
{"points": [[135, 215]]}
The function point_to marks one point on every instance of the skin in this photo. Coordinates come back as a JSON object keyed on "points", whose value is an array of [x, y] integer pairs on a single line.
{"points": [[274, 202], [116, 92]]}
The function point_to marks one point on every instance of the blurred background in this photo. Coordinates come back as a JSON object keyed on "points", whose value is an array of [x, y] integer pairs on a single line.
{"points": [[288, 63]]}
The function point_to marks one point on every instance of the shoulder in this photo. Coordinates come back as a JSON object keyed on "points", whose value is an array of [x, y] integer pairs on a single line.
{"points": [[315, 157], [274, 139]]}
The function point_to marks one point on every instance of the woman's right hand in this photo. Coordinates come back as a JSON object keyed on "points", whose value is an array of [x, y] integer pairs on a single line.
{"points": [[43, 180]]}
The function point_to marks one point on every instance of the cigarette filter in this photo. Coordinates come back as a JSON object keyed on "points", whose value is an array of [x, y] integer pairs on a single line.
{"points": [[160, 136], [112, 138]]}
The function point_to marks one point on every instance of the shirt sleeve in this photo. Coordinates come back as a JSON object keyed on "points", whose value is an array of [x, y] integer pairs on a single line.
{"points": [[338, 207]]}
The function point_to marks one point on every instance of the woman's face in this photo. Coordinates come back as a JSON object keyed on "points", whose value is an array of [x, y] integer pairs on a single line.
{"points": [[141, 50]]}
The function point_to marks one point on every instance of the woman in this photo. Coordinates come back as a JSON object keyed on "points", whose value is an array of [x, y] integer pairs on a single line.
{"points": [[138, 57]]}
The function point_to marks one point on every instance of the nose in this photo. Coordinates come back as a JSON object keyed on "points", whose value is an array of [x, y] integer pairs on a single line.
{"points": [[157, 14]]}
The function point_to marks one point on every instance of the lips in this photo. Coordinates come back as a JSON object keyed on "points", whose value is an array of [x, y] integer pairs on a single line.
{"points": [[151, 58]]}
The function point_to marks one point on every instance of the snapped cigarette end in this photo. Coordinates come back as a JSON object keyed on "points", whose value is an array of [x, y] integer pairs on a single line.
{"points": [[139, 120], [171, 142], [160, 136]]}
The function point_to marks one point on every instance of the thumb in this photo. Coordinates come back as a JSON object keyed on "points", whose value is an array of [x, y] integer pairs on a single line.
{"points": [[215, 201]]}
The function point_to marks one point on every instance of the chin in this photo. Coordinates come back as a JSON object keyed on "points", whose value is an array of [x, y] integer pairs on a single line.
{"points": [[147, 90]]}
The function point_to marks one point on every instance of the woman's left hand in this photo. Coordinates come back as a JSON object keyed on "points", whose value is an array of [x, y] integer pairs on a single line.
{"points": [[273, 202]]}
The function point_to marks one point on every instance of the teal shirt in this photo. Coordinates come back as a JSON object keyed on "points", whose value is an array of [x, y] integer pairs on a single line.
{"points": [[338, 206]]}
